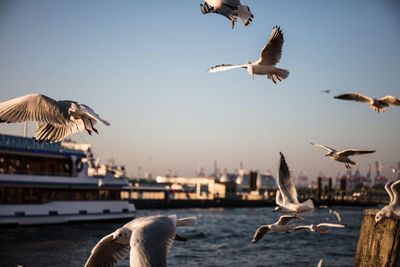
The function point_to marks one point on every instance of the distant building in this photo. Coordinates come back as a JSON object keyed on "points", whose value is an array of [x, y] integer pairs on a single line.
{"points": [[191, 187], [255, 185]]}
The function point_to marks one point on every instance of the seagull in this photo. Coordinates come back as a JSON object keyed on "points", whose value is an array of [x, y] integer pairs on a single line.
{"points": [[326, 91], [286, 195], [59, 118], [279, 226], [319, 228], [343, 156], [377, 104], [331, 211], [228, 8], [265, 65], [146, 239], [392, 210]]}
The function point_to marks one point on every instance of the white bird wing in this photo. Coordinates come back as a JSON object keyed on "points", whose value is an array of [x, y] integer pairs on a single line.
{"points": [[151, 240], [396, 193], [352, 152], [57, 132], [224, 67], [34, 107], [272, 51], [107, 253], [90, 112], [355, 97], [301, 227], [278, 198], [331, 225], [285, 183], [260, 232], [283, 220], [222, 7], [329, 149], [389, 190], [337, 215], [390, 100], [189, 221]]}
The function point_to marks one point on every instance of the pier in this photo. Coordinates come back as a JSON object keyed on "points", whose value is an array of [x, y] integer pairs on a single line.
{"points": [[378, 245]]}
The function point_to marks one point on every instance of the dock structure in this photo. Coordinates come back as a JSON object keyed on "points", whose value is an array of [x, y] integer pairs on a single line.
{"points": [[378, 245]]}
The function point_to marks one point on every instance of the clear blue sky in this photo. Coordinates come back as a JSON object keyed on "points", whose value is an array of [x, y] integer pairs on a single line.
{"points": [[142, 65]]}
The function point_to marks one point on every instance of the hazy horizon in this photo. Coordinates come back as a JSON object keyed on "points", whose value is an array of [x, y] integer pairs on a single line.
{"points": [[142, 66]]}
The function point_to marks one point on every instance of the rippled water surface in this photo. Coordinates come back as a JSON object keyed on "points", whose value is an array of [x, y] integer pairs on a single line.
{"points": [[222, 237]]}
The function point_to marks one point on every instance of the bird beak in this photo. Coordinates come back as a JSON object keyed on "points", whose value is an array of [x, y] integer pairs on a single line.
{"points": [[180, 238], [376, 224], [113, 240]]}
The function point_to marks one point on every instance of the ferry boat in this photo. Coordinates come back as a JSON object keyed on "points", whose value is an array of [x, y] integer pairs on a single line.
{"points": [[58, 183]]}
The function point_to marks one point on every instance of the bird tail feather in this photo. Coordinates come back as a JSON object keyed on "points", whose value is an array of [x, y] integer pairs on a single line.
{"points": [[190, 221], [244, 14], [282, 73]]}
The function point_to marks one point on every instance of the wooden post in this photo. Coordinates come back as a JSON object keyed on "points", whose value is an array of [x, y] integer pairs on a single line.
{"points": [[380, 245]]}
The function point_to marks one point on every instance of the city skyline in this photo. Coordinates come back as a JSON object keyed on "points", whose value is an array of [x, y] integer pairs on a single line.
{"points": [[143, 67]]}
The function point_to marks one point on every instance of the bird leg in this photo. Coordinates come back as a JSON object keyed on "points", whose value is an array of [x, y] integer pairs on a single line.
{"points": [[297, 216], [87, 130], [233, 22], [94, 129]]}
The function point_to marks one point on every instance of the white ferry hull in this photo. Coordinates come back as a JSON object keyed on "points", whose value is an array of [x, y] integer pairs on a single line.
{"points": [[65, 211]]}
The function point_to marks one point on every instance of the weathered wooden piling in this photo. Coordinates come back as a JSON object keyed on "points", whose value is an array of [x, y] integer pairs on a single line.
{"points": [[378, 245]]}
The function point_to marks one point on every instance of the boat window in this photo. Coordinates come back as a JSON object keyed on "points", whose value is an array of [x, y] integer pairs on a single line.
{"points": [[35, 165]]}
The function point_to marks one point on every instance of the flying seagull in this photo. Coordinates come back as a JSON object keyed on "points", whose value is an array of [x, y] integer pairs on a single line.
{"points": [[331, 211], [146, 239], [343, 156], [59, 118], [265, 65], [231, 9], [279, 226], [286, 195], [392, 210], [377, 104], [319, 228], [326, 91]]}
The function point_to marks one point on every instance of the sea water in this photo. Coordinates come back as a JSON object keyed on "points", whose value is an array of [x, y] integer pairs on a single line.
{"points": [[222, 237]]}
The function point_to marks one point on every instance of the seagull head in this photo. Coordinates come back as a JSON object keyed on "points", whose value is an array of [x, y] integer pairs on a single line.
{"points": [[380, 215], [121, 235], [330, 154]]}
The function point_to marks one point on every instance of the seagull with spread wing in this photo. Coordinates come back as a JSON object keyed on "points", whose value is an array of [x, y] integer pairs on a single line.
{"points": [[331, 211], [279, 226], [231, 9], [286, 195], [59, 118], [343, 156], [377, 104], [319, 228], [146, 240], [392, 210], [265, 65]]}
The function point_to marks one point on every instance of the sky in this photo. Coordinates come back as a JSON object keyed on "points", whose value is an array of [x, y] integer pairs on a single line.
{"points": [[142, 66]]}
